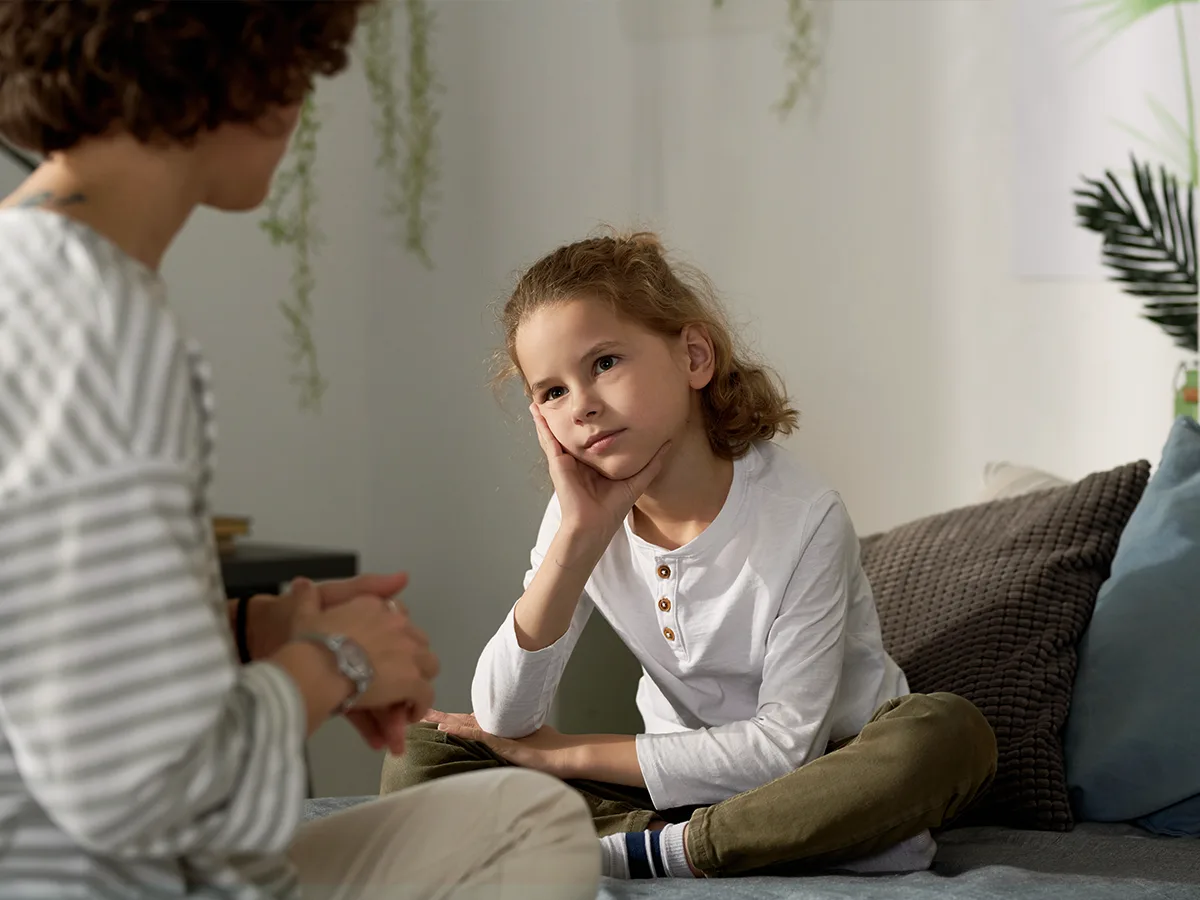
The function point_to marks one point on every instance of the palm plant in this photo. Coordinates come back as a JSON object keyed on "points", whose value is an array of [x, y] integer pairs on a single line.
{"points": [[1152, 256], [1151, 249]]}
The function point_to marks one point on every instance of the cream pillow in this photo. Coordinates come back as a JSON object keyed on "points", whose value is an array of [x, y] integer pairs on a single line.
{"points": [[1002, 480]]}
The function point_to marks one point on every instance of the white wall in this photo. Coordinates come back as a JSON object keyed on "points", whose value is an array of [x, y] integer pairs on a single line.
{"points": [[302, 478], [867, 248]]}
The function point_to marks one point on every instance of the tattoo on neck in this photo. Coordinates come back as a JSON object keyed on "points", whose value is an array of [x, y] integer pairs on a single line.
{"points": [[51, 200]]}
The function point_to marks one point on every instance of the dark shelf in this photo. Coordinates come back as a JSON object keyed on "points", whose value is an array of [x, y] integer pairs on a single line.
{"points": [[252, 568]]}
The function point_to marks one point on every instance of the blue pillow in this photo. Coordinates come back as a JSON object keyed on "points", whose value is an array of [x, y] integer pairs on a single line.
{"points": [[1132, 739], [1180, 820]]}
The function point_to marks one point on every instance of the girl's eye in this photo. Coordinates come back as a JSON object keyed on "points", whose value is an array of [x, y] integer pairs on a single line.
{"points": [[604, 363], [554, 393]]}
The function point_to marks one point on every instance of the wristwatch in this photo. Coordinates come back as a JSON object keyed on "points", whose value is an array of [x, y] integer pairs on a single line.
{"points": [[351, 660]]}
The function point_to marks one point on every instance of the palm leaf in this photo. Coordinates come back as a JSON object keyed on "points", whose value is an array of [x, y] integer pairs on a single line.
{"points": [[1174, 146], [1114, 16], [1152, 249]]}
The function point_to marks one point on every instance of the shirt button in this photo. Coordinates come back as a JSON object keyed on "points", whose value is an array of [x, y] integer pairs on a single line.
{"points": [[664, 604], [664, 571], [668, 634]]}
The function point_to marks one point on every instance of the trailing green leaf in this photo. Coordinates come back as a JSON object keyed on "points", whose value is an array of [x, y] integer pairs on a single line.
{"points": [[379, 67], [405, 120], [289, 223], [803, 54], [419, 131], [1152, 257]]}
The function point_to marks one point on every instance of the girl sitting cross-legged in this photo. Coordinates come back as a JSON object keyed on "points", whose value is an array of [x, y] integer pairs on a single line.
{"points": [[779, 736]]}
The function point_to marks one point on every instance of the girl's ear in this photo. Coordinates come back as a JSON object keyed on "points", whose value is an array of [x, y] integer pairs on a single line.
{"points": [[700, 355]]}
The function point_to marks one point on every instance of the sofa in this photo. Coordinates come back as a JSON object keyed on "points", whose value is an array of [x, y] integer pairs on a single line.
{"points": [[1069, 613]]}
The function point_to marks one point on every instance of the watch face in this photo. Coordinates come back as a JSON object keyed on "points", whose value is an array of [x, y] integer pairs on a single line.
{"points": [[356, 659]]}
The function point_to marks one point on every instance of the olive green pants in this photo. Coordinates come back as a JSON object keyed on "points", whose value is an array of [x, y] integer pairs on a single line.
{"points": [[918, 764]]}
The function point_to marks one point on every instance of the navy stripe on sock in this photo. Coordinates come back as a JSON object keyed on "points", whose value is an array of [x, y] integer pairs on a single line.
{"points": [[635, 849], [656, 860]]}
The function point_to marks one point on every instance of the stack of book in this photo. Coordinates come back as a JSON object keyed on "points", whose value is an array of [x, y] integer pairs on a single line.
{"points": [[228, 529]]}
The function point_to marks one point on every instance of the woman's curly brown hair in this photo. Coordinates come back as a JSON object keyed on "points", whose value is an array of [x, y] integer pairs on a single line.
{"points": [[745, 402], [161, 70]]}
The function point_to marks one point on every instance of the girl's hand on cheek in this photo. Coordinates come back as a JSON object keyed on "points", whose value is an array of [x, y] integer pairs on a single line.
{"points": [[592, 505]]}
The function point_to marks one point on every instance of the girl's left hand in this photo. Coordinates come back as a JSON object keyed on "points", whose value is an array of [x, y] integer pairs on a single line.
{"points": [[546, 750]]}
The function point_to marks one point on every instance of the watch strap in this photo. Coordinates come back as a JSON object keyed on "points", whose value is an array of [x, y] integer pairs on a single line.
{"points": [[334, 643]]}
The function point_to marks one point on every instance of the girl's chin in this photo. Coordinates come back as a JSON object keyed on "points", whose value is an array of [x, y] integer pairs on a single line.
{"points": [[616, 468]]}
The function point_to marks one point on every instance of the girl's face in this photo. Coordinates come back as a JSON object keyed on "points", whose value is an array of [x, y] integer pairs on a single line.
{"points": [[612, 391]]}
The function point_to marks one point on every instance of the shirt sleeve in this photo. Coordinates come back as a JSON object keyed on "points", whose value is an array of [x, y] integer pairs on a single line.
{"points": [[128, 719], [514, 688], [801, 675]]}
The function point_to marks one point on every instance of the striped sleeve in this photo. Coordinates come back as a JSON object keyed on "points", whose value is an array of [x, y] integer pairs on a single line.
{"points": [[129, 721]]}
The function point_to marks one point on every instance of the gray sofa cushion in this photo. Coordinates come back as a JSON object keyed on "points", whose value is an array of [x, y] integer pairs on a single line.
{"points": [[988, 602]]}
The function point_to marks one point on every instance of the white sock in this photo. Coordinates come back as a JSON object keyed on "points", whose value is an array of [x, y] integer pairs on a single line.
{"points": [[645, 854], [913, 855], [613, 861], [674, 852]]}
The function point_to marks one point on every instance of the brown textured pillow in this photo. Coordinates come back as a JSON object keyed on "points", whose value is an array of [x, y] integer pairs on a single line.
{"points": [[988, 602]]}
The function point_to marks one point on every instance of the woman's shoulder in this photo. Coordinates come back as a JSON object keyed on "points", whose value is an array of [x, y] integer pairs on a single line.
{"points": [[81, 327], [63, 277]]}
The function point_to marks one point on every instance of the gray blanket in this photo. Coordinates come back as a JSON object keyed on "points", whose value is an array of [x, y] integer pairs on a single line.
{"points": [[1093, 862]]}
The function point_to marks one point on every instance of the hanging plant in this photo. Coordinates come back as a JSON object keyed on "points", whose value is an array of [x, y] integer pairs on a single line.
{"points": [[289, 223], [804, 51], [380, 69], [420, 131], [803, 55], [405, 120], [405, 123]]}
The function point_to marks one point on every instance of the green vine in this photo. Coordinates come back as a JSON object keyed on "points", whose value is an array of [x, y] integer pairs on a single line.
{"points": [[803, 54], [289, 223], [406, 136], [405, 120], [420, 171], [380, 69]]}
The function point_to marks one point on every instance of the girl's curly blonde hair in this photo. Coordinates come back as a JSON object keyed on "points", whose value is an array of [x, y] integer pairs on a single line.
{"points": [[744, 402]]}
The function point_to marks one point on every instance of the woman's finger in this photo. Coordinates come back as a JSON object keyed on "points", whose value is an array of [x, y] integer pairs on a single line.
{"points": [[367, 725], [419, 702], [427, 663], [334, 593]]}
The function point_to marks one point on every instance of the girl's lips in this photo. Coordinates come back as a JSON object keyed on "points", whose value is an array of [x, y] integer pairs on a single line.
{"points": [[603, 442]]}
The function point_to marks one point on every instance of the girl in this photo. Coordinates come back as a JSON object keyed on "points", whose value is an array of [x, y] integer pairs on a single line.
{"points": [[779, 735], [137, 758]]}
